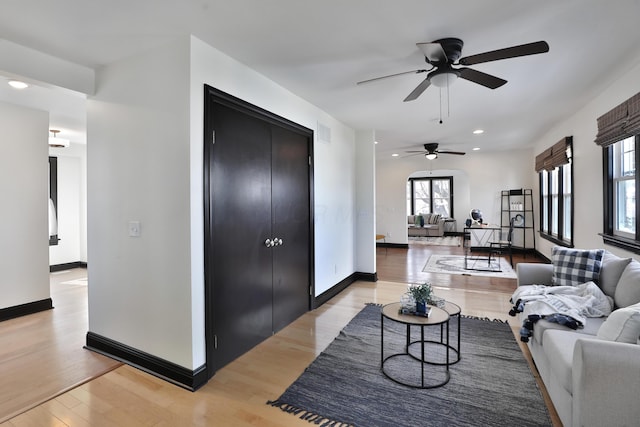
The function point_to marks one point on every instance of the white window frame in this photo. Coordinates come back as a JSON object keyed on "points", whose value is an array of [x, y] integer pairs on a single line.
{"points": [[624, 171]]}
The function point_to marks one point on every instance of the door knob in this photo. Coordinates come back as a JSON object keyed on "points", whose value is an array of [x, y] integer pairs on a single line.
{"points": [[273, 242]]}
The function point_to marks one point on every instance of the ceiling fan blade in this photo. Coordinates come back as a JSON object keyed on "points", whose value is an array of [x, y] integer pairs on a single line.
{"points": [[414, 153], [392, 75], [433, 52], [509, 52], [484, 79], [418, 90], [459, 153]]}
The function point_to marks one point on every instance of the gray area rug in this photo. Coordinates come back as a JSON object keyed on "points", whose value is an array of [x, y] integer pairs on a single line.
{"points": [[436, 241], [477, 265], [491, 385]]}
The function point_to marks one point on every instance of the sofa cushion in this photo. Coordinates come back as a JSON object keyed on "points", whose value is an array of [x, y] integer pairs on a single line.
{"points": [[558, 346], [591, 328], [628, 289], [575, 266], [622, 325], [612, 268], [433, 219]]}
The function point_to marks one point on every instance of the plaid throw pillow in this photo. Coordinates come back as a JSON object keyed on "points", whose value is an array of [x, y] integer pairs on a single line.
{"points": [[434, 218], [573, 267]]}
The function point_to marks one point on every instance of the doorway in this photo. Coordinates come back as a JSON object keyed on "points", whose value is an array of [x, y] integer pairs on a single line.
{"points": [[258, 225]]}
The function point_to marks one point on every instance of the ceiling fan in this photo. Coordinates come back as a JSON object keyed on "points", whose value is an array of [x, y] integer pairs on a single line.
{"points": [[442, 54], [431, 151]]}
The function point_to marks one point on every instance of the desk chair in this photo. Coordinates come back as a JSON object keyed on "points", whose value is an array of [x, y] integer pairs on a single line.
{"points": [[502, 246], [382, 237]]}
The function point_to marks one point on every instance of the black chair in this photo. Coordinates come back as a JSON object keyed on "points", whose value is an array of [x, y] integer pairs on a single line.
{"points": [[502, 246]]}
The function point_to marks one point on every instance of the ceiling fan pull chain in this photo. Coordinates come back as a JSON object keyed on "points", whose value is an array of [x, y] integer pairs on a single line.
{"points": [[440, 105], [448, 99]]}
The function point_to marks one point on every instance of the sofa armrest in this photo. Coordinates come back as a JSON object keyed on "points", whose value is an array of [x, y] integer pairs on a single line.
{"points": [[606, 383], [530, 273]]}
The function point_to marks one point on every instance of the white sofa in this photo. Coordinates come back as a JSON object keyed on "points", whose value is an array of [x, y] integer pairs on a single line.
{"points": [[592, 374], [433, 226]]}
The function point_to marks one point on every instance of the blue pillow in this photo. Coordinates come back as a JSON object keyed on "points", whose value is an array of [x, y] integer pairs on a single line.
{"points": [[573, 267]]}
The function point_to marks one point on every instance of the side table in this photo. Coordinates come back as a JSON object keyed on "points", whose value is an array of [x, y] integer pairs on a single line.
{"points": [[454, 310], [438, 317]]}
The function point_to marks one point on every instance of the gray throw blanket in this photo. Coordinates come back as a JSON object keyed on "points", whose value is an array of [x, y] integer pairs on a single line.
{"points": [[577, 302]]}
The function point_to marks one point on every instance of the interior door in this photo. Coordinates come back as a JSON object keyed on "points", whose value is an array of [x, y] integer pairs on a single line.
{"points": [[291, 224], [258, 225], [240, 170]]}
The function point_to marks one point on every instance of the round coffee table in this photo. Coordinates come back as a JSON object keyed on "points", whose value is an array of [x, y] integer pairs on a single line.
{"points": [[437, 317], [454, 310]]}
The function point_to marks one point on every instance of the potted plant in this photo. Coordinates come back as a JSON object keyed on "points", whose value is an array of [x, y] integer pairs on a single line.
{"points": [[421, 293]]}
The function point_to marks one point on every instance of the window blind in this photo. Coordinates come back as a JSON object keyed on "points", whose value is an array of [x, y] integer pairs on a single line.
{"points": [[554, 156], [621, 122]]}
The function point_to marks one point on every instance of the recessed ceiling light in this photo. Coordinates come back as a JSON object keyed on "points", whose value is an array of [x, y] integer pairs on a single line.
{"points": [[478, 131], [375, 142], [17, 84], [476, 148], [395, 155]]}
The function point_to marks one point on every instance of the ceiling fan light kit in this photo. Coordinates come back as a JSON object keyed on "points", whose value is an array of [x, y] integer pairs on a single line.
{"points": [[443, 54], [56, 142], [443, 78], [431, 151]]}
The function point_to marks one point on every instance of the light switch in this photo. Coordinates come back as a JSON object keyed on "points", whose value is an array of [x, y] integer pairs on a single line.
{"points": [[134, 228]]}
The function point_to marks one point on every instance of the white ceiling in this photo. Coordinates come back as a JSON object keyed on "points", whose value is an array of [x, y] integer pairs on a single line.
{"points": [[320, 49]]}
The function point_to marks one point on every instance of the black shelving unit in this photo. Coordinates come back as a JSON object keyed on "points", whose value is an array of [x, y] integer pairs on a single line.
{"points": [[518, 204]]}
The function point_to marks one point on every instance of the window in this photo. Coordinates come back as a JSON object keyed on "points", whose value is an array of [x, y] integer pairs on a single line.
{"points": [[555, 169], [619, 137], [624, 184], [53, 201], [621, 216], [430, 195]]}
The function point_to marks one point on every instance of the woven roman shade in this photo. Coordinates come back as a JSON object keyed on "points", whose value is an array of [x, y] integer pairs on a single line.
{"points": [[554, 156], [621, 122]]}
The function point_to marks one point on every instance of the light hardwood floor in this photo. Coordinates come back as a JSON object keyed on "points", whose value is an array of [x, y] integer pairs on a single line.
{"points": [[42, 354], [237, 394]]}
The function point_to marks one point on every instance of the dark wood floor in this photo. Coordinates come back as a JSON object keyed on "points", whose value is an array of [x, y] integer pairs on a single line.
{"points": [[405, 265]]}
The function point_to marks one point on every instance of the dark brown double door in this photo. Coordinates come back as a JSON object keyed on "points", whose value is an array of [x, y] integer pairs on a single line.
{"points": [[258, 224]]}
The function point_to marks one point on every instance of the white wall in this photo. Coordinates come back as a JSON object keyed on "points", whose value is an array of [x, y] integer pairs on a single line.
{"points": [[138, 170], [335, 206], [588, 162], [366, 201], [145, 126], [334, 160], [34, 66], [478, 180], [24, 177], [72, 205]]}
